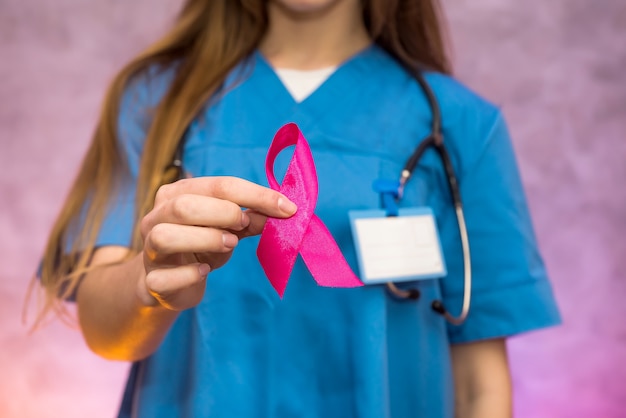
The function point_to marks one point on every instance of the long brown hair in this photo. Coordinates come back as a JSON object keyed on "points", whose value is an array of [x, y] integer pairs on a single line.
{"points": [[207, 40]]}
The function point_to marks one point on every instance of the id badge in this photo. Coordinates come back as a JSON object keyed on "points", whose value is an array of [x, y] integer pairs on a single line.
{"points": [[397, 248]]}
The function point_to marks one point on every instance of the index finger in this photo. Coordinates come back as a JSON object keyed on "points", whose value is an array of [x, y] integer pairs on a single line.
{"points": [[239, 191]]}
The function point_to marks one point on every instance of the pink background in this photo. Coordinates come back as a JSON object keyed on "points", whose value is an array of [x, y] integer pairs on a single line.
{"points": [[557, 69]]}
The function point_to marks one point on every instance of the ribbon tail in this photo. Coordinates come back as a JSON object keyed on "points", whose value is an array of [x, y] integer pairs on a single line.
{"points": [[324, 259], [277, 260]]}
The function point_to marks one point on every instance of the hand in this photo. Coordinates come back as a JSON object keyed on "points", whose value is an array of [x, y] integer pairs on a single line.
{"points": [[193, 228]]}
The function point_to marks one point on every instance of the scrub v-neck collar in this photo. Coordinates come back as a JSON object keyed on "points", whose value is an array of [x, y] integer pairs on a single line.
{"points": [[330, 89]]}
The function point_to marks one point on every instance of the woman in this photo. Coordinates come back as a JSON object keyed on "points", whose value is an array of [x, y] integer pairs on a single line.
{"points": [[166, 275]]}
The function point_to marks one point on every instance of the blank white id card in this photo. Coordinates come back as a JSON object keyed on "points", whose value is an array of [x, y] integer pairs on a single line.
{"points": [[397, 248]]}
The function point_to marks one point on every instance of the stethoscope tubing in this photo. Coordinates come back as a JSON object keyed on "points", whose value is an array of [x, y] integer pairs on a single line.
{"points": [[435, 140]]}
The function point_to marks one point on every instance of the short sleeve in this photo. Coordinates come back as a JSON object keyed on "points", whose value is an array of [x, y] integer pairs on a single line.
{"points": [[510, 288]]}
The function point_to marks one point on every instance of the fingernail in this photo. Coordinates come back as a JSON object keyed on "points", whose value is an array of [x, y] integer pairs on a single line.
{"points": [[230, 240], [245, 220], [287, 206], [204, 269]]}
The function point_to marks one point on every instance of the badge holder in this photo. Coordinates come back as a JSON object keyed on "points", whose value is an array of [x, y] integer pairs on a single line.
{"points": [[396, 245]]}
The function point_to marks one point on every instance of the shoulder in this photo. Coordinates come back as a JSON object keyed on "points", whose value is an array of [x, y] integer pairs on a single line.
{"points": [[459, 103], [469, 120], [456, 97], [148, 87], [142, 94], [462, 109]]}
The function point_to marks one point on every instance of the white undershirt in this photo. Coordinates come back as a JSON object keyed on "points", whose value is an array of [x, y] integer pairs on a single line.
{"points": [[302, 83]]}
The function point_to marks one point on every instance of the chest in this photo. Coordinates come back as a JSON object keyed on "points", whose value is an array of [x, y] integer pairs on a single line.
{"points": [[357, 132]]}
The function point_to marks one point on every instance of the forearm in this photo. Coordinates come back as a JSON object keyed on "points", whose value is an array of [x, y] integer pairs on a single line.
{"points": [[115, 321], [482, 381], [487, 405]]}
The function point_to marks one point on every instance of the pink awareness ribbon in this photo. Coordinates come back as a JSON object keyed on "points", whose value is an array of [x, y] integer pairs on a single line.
{"points": [[304, 233]]}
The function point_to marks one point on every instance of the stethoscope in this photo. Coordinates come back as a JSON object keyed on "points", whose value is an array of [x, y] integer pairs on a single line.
{"points": [[435, 140]]}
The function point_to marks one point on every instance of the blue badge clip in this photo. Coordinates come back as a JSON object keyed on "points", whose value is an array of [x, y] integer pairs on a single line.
{"points": [[389, 193]]}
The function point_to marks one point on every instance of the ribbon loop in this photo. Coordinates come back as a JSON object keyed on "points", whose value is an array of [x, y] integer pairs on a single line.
{"points": [[304, 233]]}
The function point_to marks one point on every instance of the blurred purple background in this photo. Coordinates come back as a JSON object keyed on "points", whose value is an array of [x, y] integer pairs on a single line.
{"points": [[558, 70]]}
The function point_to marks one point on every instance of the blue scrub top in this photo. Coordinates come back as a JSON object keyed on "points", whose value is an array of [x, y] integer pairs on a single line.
{"points": [[324, 352]]}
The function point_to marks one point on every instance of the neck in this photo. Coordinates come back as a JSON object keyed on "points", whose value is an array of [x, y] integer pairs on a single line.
{"points": [[311, 40]]}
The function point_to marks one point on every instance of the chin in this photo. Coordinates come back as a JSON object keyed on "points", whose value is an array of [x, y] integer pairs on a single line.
{"points": [[306, 6]]}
